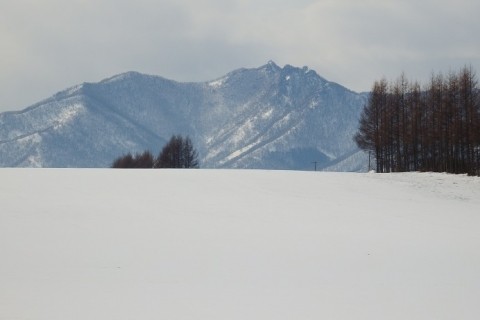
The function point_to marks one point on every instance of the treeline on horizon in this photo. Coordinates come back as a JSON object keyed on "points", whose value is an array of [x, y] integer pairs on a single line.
{"points": [[177, 153], [436, 128]]}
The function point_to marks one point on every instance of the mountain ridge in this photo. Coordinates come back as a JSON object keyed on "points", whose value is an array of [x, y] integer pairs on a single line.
{"points": [[265, 117]]}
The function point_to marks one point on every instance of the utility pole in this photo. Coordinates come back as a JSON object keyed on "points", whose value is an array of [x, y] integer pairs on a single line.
{"points": [[369, 161], [315, 162]]}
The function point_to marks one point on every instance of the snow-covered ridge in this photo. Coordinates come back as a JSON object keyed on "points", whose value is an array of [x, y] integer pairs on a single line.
{"points": [[249, 118], [218, 83], [122, 76]]}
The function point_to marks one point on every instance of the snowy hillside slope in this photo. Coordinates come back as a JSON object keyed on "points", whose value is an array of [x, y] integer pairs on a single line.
{"points": [[237, 244], [266, 117]]}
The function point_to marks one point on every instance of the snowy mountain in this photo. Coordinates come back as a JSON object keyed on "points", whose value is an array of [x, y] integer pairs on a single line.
{"points": [[267, 117]]}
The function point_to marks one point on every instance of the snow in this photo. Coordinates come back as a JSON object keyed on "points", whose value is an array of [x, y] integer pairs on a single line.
{"points": [[74, 90], [218, 83], [267, 114], [32, 138], [233, 244], [239, 152], [313, 104], [126, 107], [34, 161], [68, 114]]}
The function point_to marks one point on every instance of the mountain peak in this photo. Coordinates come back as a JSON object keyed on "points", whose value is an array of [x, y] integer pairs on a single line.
{"points": [[122, 76], [264, 117], [271, 65]]}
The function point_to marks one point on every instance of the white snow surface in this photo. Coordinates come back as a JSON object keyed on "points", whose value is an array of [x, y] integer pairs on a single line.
{"points": [[218, 83], [237, 244]]}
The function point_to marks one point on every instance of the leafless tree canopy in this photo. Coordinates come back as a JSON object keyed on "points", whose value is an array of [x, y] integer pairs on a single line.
{"points": [[177, 153], [436, 128]]}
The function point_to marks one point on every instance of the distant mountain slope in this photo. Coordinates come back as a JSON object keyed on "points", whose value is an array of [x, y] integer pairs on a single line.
{"points": [[267, 117]]}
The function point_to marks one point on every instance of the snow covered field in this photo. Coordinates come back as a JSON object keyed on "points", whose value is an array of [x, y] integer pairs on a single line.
{"points": [[225, 244]]}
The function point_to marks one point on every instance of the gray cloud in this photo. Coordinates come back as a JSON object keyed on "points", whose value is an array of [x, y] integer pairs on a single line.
{"points": [[49, 45]]}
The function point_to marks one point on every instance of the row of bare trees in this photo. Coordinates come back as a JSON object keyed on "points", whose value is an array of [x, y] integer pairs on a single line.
{"points": [[177, 153], [434, 128]]}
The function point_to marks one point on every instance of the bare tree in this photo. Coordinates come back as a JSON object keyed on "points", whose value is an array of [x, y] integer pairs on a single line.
{"points": [[139, 161], [177, 153], [437, 129]]}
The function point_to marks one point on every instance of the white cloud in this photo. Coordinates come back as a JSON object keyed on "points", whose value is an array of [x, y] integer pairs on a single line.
{"points": [[49, 45]]}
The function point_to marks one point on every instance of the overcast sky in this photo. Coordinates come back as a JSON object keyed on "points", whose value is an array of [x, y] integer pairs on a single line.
{"points": [[49, 45]]}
